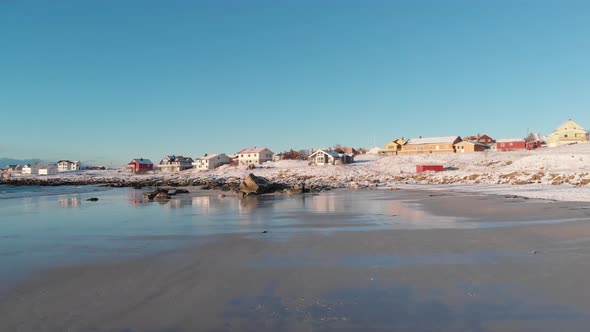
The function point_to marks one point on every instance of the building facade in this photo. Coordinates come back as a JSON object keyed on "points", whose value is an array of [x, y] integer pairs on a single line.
{"points": [[211, 161], [30, 169], [139, 165], [254, 156], [329, 157], [445, 144], [470, 146], [67, 165], [47, 170], [173, 164], [393, 147], [510, 144], [569, 132]]}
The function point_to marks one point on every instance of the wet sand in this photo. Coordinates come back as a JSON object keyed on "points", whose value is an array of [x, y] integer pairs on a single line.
{"points": [[517, 278]]}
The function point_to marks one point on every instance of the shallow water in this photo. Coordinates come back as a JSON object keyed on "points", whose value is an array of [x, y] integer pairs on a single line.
{"points": [[44, 227], [282, 281]]}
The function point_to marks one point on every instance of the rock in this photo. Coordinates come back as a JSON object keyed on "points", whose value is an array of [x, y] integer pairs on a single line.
{"points": [[92, 199], [181, 191], [264, 232], [162, 195], [157, 194], [221, 196], [293, 191], [251, 166], [253, 184]]}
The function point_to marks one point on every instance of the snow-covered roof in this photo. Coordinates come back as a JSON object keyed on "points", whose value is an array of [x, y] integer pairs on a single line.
{"points": [[210, 156], [142, 161], [253, 150], [433, 140], [328, 152], [472, 142], [506, 140]]}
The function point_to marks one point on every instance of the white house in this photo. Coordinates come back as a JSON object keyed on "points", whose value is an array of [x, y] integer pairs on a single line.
{"points": [[329, 157], [172, 164], [47, 170], [254, 156], [211, 161], [31, 169], [67, 165]]}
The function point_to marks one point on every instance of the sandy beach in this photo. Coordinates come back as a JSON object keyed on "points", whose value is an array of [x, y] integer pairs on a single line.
{"points": [[521, 266]]}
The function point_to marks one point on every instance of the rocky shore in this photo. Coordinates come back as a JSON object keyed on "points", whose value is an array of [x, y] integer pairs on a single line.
{"points": [[558, 169]]}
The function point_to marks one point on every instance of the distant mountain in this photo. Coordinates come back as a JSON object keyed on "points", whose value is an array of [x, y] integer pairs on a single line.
{"points": [[9, 161]]}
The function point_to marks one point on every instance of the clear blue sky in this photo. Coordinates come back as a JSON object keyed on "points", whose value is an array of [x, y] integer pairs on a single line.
{"points": [[110, 80]]}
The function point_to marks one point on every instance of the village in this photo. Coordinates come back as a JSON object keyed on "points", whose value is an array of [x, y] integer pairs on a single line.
{"points": [[569, 132]]}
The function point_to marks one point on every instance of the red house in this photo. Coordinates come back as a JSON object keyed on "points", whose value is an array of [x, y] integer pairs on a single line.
{"points": [[139, 165], [510, 144], [483, 139], [433, 168], [533, 141]]}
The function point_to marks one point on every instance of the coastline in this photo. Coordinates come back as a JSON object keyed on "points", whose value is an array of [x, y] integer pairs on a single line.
{"points": [[560, 173]]}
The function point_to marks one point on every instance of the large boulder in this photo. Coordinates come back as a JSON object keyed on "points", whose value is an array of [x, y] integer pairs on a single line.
{"points": [[157, 194], [256, 185]]}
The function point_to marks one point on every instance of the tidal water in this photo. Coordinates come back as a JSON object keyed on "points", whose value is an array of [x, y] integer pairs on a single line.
{"points": [[42, 228], [45, 227]]}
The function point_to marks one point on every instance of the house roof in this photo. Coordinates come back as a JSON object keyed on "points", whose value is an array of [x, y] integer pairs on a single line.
{"points": [[210, 156], [328, 152], [432, 140], [472, 142], [571, 122], [142, 161], [253, 150], [506, 140]]}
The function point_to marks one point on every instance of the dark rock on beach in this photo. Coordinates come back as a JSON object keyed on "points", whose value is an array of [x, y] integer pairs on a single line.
{"points": [[158, 194], [256, 185]]}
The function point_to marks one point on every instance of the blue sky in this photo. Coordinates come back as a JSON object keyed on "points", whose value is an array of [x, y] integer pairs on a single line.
{"points": [[109, 80]]}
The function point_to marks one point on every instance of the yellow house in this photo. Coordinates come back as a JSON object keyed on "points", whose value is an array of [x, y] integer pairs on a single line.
{"points": [[568, 132], [393, 147], [431, 145]]}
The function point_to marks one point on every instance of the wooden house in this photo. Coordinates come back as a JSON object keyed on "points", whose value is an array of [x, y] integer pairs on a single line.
{"points": [[140, 165], [329, 157], [211, 161], [254, 156], [510, 144], [394, 147], [483, 139], [569, 132], [470, 146], [173, 164], [445, 144], [533, 141]]}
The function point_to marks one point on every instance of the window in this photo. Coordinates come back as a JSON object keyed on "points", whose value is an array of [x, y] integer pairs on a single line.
{"points": [[565, 135], [502, 144]]}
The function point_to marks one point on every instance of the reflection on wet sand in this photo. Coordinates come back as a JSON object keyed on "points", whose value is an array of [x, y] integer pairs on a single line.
{"points": [[394, 309], [69, 202]]}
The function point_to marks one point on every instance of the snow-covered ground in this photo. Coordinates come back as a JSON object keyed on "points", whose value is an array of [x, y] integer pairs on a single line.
{"points": [[561, 173]]}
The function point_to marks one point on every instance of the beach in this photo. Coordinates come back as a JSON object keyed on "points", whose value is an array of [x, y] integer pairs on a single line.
{"points": [[376, 260]]}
